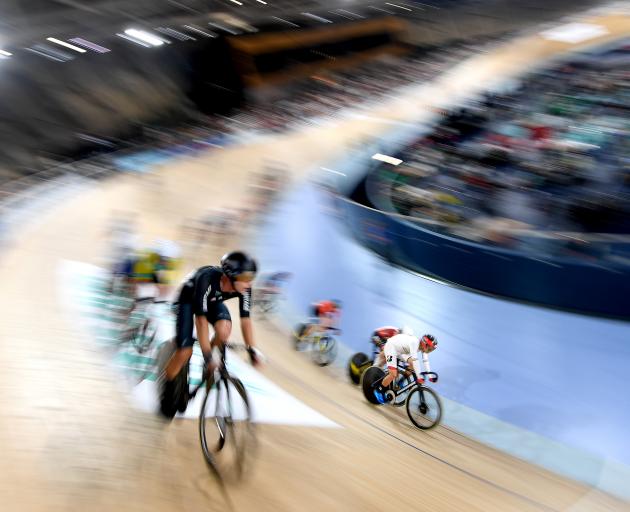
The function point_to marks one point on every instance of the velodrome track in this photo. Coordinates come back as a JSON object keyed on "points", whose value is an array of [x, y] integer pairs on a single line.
{"points": [[73, 441]]}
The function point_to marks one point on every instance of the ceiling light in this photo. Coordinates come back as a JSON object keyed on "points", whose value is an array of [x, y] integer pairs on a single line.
{"points": [[380, 9], [66, 45], [199, 31], [133, 40], [144, 36], [175, 33], [318, 18], [399, 6], [89, 45], [285, 21]]}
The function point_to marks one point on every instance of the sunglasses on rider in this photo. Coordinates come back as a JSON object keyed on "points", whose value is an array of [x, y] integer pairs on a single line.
{"points": [[245, 277]]}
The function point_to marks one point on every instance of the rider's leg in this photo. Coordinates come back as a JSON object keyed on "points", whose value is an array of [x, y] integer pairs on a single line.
{"points": [[177, 362], [379, 360], [222, 332], [390, 377], [392, 365], [183, 339], [171, 399]]}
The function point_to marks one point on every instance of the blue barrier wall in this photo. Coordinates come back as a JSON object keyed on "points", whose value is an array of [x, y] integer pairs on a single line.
{"points": [[542, 384], [564, 283]]}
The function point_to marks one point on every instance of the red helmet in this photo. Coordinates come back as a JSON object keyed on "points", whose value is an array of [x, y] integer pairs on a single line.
{"points": [[428, 343]]}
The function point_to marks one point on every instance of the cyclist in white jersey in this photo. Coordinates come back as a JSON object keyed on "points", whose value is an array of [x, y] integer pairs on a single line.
{"points": [[404, 347]]}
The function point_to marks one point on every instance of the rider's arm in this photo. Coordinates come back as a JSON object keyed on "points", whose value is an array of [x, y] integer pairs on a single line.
{"points": [[248, 331], [425, 362], [413, 361], [203, 335], [202, 291], [244, 303]]}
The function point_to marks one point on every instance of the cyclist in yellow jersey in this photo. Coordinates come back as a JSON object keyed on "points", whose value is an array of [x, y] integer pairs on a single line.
{"points": [[156, 266]]}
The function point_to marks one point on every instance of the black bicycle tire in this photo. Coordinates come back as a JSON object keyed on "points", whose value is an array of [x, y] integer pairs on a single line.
{"points": [[355, 377], [207, 452], [240, 388], [367, 381], [141, 348], [331, 349], [430, 391]]}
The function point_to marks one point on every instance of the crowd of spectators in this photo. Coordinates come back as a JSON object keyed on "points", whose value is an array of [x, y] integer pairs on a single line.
{"points": [[552, 155]]}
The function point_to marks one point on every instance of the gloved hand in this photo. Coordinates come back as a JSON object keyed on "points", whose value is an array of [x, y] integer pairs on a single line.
{"points": [[433, 378], [255, 356], [420, 380], [207, 358]]}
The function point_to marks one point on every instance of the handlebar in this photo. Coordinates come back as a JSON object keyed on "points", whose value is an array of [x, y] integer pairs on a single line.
{"points": [[429, 374]]}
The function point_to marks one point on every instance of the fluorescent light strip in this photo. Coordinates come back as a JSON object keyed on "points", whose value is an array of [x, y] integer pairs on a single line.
{"points": [[261, 2], [124, 36], [49, 50], [380, 9], [199, 31], [351, 13], [89, 45], [175, 33], [66, 45], [236, 2], [338, 12], [285, 21], [318, 18], [42, 54], [5, 53], [400, 7], [145, 37], [387, 159]]}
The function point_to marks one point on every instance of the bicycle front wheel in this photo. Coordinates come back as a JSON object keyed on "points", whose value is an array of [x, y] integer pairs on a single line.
{"points": [[424, 407], [225, 428], [324, 350]]}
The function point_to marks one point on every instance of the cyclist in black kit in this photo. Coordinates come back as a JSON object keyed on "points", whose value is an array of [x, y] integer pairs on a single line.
{"points": [[201, 300]]}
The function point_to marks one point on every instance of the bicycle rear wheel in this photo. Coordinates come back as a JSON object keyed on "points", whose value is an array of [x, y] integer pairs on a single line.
{"points": [[225, 429], [324, 350], [357, 365], [144, 336], [368, 380], [424, 407], [401, 399]]}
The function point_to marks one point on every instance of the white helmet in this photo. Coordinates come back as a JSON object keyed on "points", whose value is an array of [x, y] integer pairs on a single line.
{"points": [[407, 330]]}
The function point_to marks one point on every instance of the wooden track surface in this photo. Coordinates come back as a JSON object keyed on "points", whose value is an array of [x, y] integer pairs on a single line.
{"points": [[71, 441]]}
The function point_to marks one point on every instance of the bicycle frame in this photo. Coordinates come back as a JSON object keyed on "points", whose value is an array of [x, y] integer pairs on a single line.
{"points": [[222, 368], [404, 368]]}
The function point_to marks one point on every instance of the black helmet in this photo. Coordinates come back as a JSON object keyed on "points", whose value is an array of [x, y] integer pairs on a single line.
{"points": [[238, 266]]}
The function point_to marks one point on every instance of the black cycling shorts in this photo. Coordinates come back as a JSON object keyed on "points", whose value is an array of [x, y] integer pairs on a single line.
{"points": [[185, 321]]}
